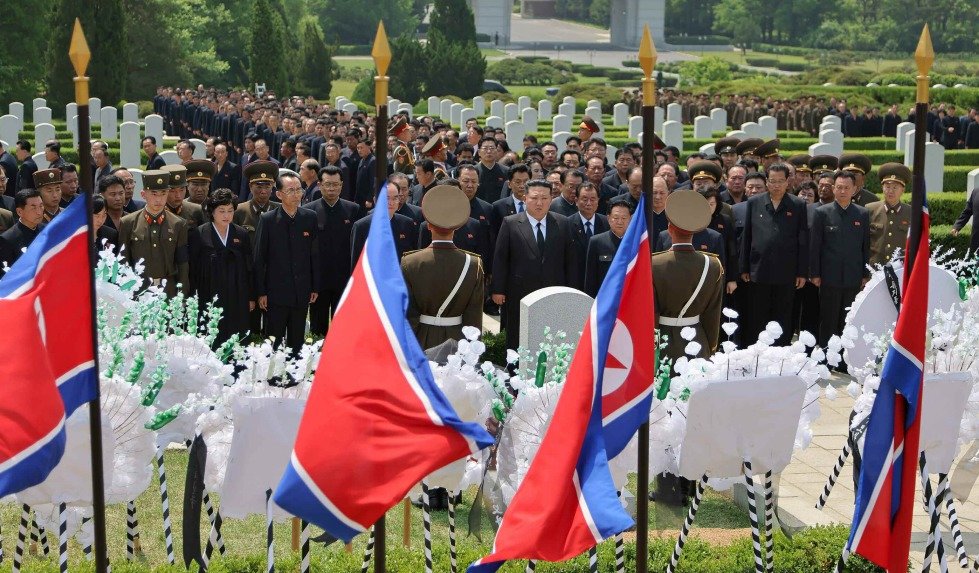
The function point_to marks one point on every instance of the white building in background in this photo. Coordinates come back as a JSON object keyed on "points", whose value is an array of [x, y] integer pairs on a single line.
{"points": [[493, 19], [628, 18]]}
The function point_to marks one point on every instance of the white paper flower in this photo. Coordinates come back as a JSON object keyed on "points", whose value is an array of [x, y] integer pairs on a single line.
{"points": [[730, 313], [688, 333], [692, 348], [512, 356], [470, 332], [807, 338], [830, 392], [773, 329], [729, 328], [727, 346]]}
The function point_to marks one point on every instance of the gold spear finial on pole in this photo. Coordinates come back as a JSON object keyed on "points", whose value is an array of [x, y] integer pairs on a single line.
{"points": [[382, 59], [647, 61], [80, 55], [924, 56]]}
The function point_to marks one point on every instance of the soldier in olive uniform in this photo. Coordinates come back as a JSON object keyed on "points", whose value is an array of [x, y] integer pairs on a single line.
{"points": [[725, 148], [860, 165], [839, 250], [157, 237], [261, 176], [200, 172], [746, 149], [445, 283], [768, 153], [177, 202], [890, 219], [803, 172], [403, 157]]}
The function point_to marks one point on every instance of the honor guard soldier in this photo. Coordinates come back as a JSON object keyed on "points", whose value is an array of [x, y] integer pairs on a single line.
{"points": [[746, 149], [200, 172], [725, 149], [890, 219], [261, 177], [768, 153], [587, 128], [177, 202], [435, 150], [48, 184], [157, 237], [445, 283], [860, 165], [404, 157]]}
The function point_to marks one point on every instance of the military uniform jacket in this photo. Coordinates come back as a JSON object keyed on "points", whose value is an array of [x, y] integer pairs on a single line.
{"points": [[247, 214], [601, 251], [840, 245], [677, 273], [161, 245], [775, 242], [334, 226], [190, 212], [445, 287], [865, 197], [287, 265], [888, 229], [471, 237]]}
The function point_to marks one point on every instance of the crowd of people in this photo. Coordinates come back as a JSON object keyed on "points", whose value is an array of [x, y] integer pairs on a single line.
{"points": [[273, 221]]}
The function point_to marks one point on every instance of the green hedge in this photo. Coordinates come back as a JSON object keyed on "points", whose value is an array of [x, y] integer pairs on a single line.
{"points": [[855, 95], [707, 40], [625, 75], [792, 66], [762, 62], [941, 237]]}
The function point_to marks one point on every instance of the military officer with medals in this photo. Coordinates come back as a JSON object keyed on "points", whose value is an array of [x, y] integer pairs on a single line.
{"points": [[200, 172], [157, 237], [261, 176], [177, 202], [860, 165], [403, 158], [445, 283], [890, 219]]}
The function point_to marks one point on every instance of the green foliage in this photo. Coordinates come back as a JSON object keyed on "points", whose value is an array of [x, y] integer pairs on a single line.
{"points": [[599, 12], [706, 70], [521, 73], [762, 62], [405, 81], [454, 68], [453, 19], [735, 18], [792, 66], [266, 49], [354, 22], [21, 78], [699, 40], [495, 347], [317, 69]]}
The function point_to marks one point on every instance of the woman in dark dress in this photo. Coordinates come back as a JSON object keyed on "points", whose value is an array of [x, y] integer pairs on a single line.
{"points": [[105, 237], [221, 265]]}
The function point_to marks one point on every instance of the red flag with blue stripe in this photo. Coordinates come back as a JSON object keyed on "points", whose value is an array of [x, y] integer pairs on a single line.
{"points": [[881, 529], [567, 503], [375, 422], [55, 269]]}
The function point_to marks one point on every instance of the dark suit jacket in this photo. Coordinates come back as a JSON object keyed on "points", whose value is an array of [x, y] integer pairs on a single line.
{"points": [[501, 209], [601, 251], [412, 212], [334, 226], [839, 245], [25, 175], [775, 243], [364, 188], [155, 162], [13, 241], [579, 241], [287, 265], [228, 177], [561, 206], [405, 236], [971, 208], [9, 165]]}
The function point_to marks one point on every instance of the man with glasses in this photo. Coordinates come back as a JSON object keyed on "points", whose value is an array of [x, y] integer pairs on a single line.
{"points": [[404, 193], [491, 174], [131, 204], [585, 224], [287, 265], [533, 251], [602, 247]]}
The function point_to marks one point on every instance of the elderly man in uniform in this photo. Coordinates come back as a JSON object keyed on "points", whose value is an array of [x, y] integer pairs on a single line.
{"points": [[860, 165], [890, 219], [746, 149], [803, 173], [403, 157], [445, 283], [157, 237], [177, 202], [199, 175], [587, 128], [261, 176]]}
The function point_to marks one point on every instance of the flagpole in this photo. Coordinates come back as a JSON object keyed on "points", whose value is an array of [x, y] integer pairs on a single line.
{"points": [[924, 57], [80, 55], [647, 60], [381, 53]]}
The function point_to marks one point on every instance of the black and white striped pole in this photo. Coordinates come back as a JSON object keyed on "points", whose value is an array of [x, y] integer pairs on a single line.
{"points": [[531, 566], [25, 518], [214, 517], [453, 565], [593, 560], [87, 547], [63, 538], [165, 504], [687, 524], [769, 524], [368, 551], [834, 476], [132, 531], [304, 547], [269, 538], [953, 521], [933, 501], [427, 525], [749, 483], [35, 536], [43, 535]]}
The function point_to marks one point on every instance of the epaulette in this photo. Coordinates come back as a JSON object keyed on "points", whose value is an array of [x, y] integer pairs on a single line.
{"points": [[472, 253], [406, 253]]}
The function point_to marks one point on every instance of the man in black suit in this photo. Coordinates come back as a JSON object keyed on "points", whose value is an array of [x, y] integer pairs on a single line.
{"points": [[425, 177], [25, 174], [405, 208], [479, 210], [227, 173], [8, 168], [405, 230], [364, 185], [491, 174], [585, 224], [30, 213], [612, 183], [287, 265], [565, 203], [533, 251], [335, 218], [517, 178], [602, 247], [154, 161]]}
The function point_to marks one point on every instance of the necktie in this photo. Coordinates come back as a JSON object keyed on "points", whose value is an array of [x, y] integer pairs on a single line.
{"points": [[588, 229], [540, 239], [519, 206]]}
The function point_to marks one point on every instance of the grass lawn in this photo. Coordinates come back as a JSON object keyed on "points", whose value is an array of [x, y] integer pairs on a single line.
{"points": [[245, 539], [343, 88]]}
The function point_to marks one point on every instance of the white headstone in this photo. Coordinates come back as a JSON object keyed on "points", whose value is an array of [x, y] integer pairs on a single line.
{"points": [[95, 110], [523, 102], [545, 109], [16, 109], [38, 102], [620, 114], [972, 181], [342, 101], [153, 126], [496, 108], [479, 106], [593, 103], [393, 103], [41, 162], [454, 110], [769, 127], [465, 115], [561, 122], [42, 132], [560, 139], [494, 121], [635, 126], [673, 133], [73, 128], [71, 110], [718, 117], [659, 116], [610, 151], [595, 112], [674, 112], [42, 115], [130, 112], [170, 157], [529, 119], [566, 109], [407, 108], [510, 112], [569, 99], [708, 149], [515, 133], [561, 308], [702, 127], [834, 119], [109, 119], [935, 167], [9, 130], [433, 105], [350, 107], [820, 149], [445, 109], [200, 148], [827, 126], [752, 129], [834, 139], [336, 101], [737, 133], [129, 144], [902, 130]]}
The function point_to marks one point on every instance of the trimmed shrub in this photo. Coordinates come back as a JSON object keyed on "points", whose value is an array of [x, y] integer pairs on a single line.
{"points": [[762, 62], [625, 75], [792, 66], [941, 237], [630, 63], [353, 51], [708, 40]]}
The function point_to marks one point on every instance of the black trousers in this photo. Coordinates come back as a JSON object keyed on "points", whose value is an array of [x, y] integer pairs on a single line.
{"points": [[772, 303], [321, 311], [833, 302], [256, 318], [287, 323], [805, 310], [746, 333]]}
